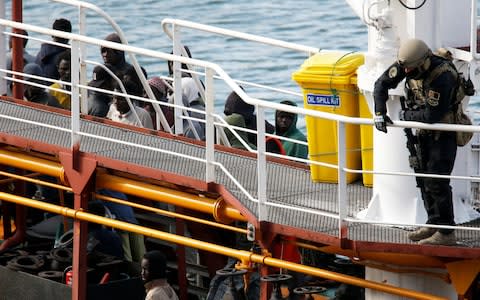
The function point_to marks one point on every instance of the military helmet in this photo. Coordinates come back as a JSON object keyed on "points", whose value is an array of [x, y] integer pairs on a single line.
{"points": [[412, 53]]}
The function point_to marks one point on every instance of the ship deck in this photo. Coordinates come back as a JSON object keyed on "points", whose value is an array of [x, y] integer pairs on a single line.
{"points": [[298, 205]]}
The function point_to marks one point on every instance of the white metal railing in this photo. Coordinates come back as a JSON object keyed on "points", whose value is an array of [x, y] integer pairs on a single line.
{"points": [[214, 71], [85, 5]]}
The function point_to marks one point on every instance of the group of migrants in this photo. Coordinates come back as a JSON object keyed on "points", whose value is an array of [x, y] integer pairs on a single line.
{"points": [[116, 75]]}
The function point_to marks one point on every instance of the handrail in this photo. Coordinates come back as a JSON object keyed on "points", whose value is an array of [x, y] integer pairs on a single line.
{"points": [[143, 80], [236, 34], [234, 86]]}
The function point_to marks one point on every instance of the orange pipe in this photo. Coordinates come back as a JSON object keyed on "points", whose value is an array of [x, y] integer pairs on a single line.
{"points": [[36, 181], [170, 214], [218, 208], [244, 256], [8, 180], [178, 198], [34, 164]]}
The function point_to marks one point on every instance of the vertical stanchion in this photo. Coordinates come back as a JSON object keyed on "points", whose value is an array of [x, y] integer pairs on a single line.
{"points": [[3, 52], [261, 165], [75, 116], [83, 66], [209, 128], [177, 81], [342, 181]]}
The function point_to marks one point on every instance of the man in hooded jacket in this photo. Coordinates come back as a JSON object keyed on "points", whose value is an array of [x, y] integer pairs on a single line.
{"points": [[47, 57], [286, 126], [115, 59], [238, 108]]}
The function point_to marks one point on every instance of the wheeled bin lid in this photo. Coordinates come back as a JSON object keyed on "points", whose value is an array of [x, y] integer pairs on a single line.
{"points": [[333, 67]]}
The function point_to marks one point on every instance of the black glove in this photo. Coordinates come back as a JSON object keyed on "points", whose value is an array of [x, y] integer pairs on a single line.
{"points": [[381, 122]]}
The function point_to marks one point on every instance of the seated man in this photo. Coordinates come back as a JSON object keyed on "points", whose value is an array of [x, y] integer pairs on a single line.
{"points": [[160, 91], [120, 110], [101, 239], [37, 94], [63, 68], [133, 243], [98, 102], [286, 126], [235, 105], [27, 58], [154, 267], [47, 57]]}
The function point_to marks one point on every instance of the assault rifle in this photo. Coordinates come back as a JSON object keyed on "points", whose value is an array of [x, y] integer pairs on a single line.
{"points": [[412, 145]]}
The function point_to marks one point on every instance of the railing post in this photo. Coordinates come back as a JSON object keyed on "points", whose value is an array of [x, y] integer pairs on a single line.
{"points": [[209, 127], [83, 56], [3, 52], [261, 165], [342, 182], [177, 81], [75, 117]]}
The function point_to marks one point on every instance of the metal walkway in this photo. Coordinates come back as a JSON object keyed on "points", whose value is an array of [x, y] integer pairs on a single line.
{"points": [[286, 185]]}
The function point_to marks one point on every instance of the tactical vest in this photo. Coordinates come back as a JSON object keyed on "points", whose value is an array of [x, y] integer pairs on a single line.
{"points": [[416, 92], [416, 89]]}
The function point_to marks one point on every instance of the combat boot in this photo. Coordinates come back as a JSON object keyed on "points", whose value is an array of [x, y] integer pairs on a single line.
{"points": [[438, 238], [422, 233]]}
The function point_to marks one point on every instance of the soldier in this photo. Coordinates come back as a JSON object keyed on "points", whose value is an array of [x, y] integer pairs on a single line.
{"points": [[431, 85]]}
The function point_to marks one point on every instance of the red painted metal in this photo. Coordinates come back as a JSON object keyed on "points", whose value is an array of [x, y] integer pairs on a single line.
{"points": [[17, 48], [82, 182], [6, 216], [181, 257], [20, 219], [17, 65]]}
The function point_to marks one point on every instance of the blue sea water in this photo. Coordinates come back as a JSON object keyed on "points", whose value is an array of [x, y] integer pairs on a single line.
{"points": [[326, 24]]}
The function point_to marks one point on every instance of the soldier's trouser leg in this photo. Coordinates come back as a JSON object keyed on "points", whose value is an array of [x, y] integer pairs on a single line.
{"points": [[439, 153]]}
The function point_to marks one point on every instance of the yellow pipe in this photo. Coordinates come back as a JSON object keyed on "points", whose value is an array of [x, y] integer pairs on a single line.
{"points": [[34, 164], [241, 255], [8, 180], [222, 213], [166, 195], [36, 181], [170, 214]]}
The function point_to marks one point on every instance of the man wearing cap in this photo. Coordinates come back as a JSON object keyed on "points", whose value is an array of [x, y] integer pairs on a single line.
{"points": [[432, 95], [98, 102], [47, 57]]}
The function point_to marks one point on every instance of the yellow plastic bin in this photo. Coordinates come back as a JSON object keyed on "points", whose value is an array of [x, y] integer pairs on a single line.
{"points": [[326, 80]]}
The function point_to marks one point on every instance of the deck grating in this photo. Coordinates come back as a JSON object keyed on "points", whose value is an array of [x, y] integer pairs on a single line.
{"points": [[286, 185]]}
